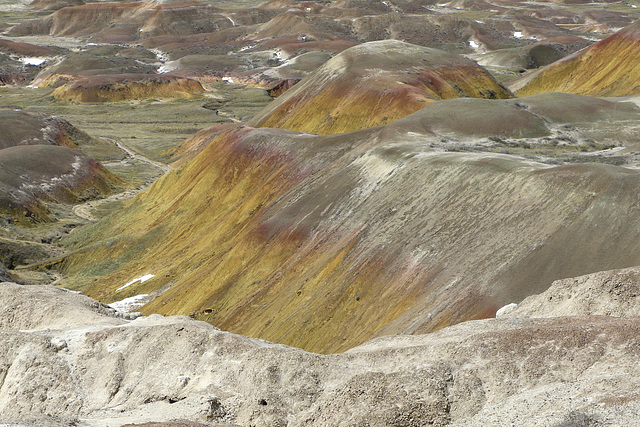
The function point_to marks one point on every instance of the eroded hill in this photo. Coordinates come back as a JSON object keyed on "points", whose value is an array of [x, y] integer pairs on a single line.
{"points": [[449, 213], [297, 238], [608, 68], [376, 83], [39, 163]]}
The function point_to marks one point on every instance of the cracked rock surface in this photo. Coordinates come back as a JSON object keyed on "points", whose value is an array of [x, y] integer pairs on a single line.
{"points": [[67, 359]]}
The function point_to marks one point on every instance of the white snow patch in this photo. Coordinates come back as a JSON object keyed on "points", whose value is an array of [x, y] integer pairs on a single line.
{"points": [[140, 279], [634, 6], [33, 60], [473, 44], [160, 55], [232, 22], [506, 309], [251, 46], [227, 79], [77, 164], [166, 68], [415, 134], [517, 34], [129, 304]]}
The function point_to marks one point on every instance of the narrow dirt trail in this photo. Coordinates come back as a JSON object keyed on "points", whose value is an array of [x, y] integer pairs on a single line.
{"points": [[142, 158], [85, 210]]}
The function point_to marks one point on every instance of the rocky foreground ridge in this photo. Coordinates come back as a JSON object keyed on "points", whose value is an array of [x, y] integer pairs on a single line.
{"points": [[67, 359]]}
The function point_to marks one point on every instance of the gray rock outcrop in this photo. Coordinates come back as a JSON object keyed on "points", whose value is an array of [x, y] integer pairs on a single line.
{"points": [[68, 359], [606, 293]]}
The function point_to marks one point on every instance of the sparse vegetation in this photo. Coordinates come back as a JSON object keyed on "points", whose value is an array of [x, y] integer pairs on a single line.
{"points": [[447, 199]]}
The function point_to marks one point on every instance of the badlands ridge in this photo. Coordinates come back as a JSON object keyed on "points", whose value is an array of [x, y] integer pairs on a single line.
{"points": [[344, 213]]}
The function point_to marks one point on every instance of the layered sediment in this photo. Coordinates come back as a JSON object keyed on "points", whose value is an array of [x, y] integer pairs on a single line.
{"points": [[120, 87], [376, 83], [607, 68], [295, 238]]}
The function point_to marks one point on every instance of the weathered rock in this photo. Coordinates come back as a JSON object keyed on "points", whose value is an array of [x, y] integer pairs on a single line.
{"points": [[78, 363], [47, 307], [607, 293]]}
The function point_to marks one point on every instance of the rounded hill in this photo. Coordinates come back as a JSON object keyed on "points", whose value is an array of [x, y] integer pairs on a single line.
{"points": [[31, 174], [119, 87], [607, 68], [376, 83], [296, 238]]}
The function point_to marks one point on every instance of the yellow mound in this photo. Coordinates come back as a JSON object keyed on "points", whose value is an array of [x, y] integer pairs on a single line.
{"points": [[108, 88], [373, 84], [608, 68], [323, 242]]}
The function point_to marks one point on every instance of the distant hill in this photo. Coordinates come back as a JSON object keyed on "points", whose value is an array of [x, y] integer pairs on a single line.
{"points": [[119, 87], [607, 68], [376, 83], [39, 163]]}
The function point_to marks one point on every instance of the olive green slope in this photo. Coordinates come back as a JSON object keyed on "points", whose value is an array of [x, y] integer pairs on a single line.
{"points": [[323, 242], [607, 68]]}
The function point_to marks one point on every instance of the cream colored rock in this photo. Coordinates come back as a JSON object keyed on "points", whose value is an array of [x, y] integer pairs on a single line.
{"points": [[100, 370], [47, 307], [606, 293]]}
